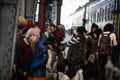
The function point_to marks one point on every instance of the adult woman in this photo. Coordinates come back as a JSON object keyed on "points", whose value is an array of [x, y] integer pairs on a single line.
{"points": [[107, 44]]}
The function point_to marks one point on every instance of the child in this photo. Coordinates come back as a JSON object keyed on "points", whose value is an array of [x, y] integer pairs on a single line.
{"points": [[38, 55]]}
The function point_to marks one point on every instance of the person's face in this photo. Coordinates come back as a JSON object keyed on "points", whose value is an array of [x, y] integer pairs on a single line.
{"points": [[52, 29], [84, 33], [48, 30], [66, 34], [75, 31], [33, 39], [95, 35], [94, 29]]}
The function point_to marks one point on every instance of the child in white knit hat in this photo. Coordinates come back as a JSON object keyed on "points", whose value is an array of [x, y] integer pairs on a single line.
{"points": [[38, 55]]}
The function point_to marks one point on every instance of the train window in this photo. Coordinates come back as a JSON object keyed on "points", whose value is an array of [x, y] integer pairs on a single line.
{"points": [[102, 14], [106, 13], [37, 10], [94, 16], [88, 17], [98, 16], [111, 9], [91, 17], [109, 12], [112, 5]]}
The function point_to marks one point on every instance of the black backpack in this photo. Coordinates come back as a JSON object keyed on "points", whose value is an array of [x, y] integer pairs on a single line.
{"points": [[77, 52], [104, 46]]}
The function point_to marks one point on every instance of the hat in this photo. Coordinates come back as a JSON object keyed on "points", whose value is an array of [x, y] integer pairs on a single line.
{"points": [[52, 24], [35, 31], [68, 31], [94, 26], [27, 33], [81, 30]]}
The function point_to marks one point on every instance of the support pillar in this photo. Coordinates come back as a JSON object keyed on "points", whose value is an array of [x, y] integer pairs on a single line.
{"points": [[8, 28], [59, 11], [30, 6], [42, 12], [21, 7]]}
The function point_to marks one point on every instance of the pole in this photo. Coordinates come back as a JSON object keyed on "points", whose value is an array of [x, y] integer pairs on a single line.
{"points": [[59, 11], [42, 12]]}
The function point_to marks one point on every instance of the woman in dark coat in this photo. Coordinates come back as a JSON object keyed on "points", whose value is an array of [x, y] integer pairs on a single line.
{"points": [[22, 51], [93, 63]]}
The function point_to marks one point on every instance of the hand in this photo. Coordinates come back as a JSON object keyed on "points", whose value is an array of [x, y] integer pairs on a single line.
{"points": [[24, 73], [96, 55], [14, 68]]}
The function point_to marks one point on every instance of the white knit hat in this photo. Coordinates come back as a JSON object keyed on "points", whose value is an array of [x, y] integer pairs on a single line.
{"points": [[33, 31]]}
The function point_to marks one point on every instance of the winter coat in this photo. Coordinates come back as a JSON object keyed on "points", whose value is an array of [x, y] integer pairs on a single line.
{"points": [[55, 38], [22, 55], [38, 59]]}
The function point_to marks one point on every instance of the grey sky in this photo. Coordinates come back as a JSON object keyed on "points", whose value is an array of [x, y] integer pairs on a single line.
{"points": [[69, 6]]}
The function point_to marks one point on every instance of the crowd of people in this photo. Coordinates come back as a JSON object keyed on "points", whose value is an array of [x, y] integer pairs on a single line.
{"points": [[75, 53]]}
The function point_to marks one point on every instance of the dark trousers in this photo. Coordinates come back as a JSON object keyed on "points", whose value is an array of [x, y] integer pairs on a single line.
{"points": [[18, 76], [92, 71], [103, 60]]}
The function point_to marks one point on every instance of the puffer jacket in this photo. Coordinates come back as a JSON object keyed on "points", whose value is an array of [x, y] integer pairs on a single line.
{"points": [[38, 59]]}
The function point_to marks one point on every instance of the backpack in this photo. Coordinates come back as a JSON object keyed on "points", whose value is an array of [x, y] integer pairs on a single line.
{"points": [[104, 46], [77, 52]]}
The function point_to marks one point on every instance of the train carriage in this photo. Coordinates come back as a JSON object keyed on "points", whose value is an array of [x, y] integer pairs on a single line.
{"points": [[96, 11], [100, 12]]}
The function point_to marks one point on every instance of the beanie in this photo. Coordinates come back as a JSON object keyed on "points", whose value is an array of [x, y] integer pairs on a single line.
{"points": [[28, 33], [35, 31]]}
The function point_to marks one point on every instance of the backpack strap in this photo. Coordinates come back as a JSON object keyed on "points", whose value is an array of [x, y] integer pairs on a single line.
{"points": [[108, 34]]}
